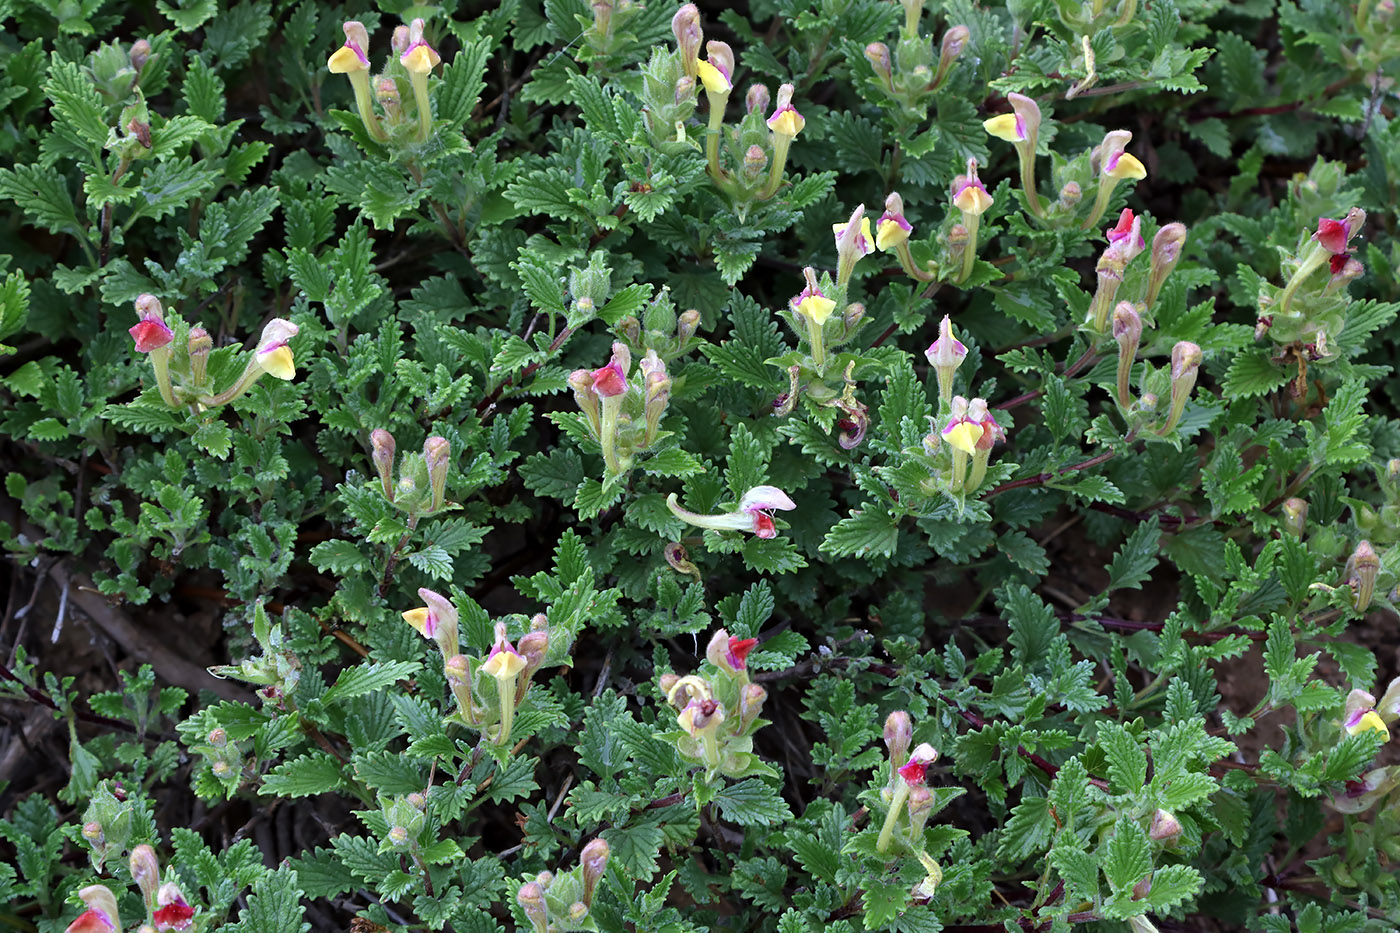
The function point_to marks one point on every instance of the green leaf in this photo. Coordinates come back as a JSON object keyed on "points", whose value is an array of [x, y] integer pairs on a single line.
{"points": [[274, 905], [1135, 559], [368, 677], [751, 802], [1127, 761], [1127, 857], [1028, 831], [306, 776], [870, 532]]}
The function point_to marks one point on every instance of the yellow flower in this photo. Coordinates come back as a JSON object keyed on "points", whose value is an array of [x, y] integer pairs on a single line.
{"points": [[715, 81], [504, 664], [973, 199], [277, 363], [1367, 721], [1126, 166], [891, 233], [421, 59], [1004, 126], [419, 619], [817, 308], [862, 244], [347, 60], [963, 436]]}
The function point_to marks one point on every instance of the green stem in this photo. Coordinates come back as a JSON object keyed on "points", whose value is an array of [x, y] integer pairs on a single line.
{"points": [[1106, 186], [425, 109], [781, 145], [505, 690], [959, 479], [816, 339], [979, 470], [971, 222], [359, 80], [607, 436], [1311, 263], [1028, 179], [160, 362], [901, 794]]}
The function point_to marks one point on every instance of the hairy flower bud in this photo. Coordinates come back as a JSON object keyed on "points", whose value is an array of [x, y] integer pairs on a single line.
{"points": [[1164, 828], [757, 99], [878, 54], [437, 453], [145, 871], [1166, 253], [685, 25], [1295, 516], [1362, 568], [594, 860], [898, 733], [531, 899], [140, 54], [1186, 363], [382, 444]]}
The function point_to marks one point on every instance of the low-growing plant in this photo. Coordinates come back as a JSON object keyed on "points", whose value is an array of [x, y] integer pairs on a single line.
{"points": [[857, 465]]}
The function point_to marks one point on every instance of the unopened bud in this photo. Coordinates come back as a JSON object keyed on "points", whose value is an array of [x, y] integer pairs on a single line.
{"points": [[1164, 828], [417, 800], [544, 879], [629, 329], [382, 445], [398, 837], [92, 832], [667, 682], [141, 130], [145, 871], [217, 738], [140, 54], [1186, 363], [1361, 573], [386, 91], [199, 346], [899, 733], [686, 325], [954, 41], [1127, 330], [757, 99], [1070, 195], [539, 622], [755, 161], [878, 54], [1142, 888], [532, 647], [685, 89], [751, 701], [399, 41], [221, 769], [685, 25], [437, 453], [530, 897], [1166, 253], [577, 911], [594, 860], [1295, 516]]}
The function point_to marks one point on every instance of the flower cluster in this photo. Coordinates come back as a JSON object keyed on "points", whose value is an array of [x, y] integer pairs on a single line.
{"points": [[166, 907], [909, 802], [487, 690], [421, 486], [623, 412], [414, 59], [563, 901], [718, 713]]}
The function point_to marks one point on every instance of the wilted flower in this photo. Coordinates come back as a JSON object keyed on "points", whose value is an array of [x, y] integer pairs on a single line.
{"points": [[752, 514]]}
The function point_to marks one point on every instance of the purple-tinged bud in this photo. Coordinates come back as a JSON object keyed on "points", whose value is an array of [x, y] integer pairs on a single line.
{"points": [[878, 54], [400, 41], [539, 622], [852, 316], [437, 453], [899, 733], [199, 346], [757, 99], [1142, 888], [594, 860], [1186, 364], [217, 738], [630, 329], [1165, 827], [140, 54], [751, 700], [686, 325], [386, 91], [667, 682], [1166, 253], [141, 130], [581, 381], [221, 769], [1362, 568], [382, 445], [1127, 330], [545, 879], [398, 837], [920, 808], [954, 41], [92, 832], [417, 800], [685, 88], [1295, 516], [755, 161], [1070, 196], [685, 25], [145, 871], [1348, 270]]}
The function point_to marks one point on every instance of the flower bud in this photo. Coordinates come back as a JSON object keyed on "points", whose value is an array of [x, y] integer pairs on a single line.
{"points": [[1295, 516], [1070, 196], [145, 871], [417, 800], [382, 445], [386, 91], [899, 733], [1362, 568], [1127, 330], [1142, 888], [685, 25], [954, 41], [685, 89], [199, 346], [140, 54], [531, 896], [755, 161], [667, 682], [751, 700], [581, 381], [920, 808], [756, 100], [945, 355], [437, 453], [577, 911], [1165, 827], [594, 860], [217, 738], [398, 837], [399, 41], [878, 55], [92, 832], [686, 325], [1186, 363], [1166, 252]]}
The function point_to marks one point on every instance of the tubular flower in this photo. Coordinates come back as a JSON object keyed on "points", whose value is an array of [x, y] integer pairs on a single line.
{"points": [[1126, 235], [609, 386], [815, 308], [611, 380], [1021, 128], [350, 60], [914, 771], [892, 229], [969, 194], [1113, 164], [729, 653], [751, 515], [1332, 239], [101, 915], [172, 912], [945, 355], [685, 25], [853, 241], [717, 71], [504, 662], [273, 355], [150, 332], [786, 121], [437, 619], [910, 777]]}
